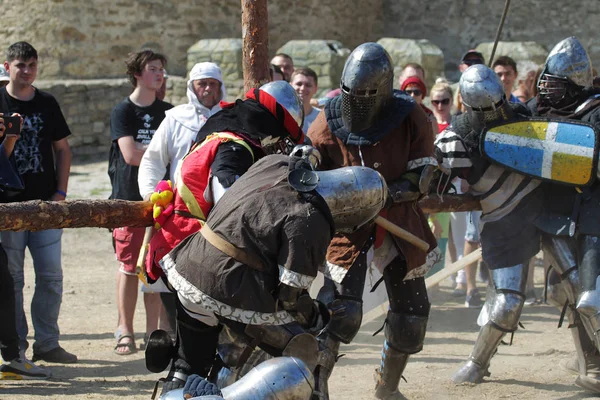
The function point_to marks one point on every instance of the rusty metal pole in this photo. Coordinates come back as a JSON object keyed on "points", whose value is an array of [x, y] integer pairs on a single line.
{"points": [[255, 43]]}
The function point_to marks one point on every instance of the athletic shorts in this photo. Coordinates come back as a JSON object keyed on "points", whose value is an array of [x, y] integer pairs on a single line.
{"points": [[128, 242]]}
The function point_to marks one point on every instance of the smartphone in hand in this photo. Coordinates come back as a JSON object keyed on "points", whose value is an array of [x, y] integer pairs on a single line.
{"points": [[13, 126]]}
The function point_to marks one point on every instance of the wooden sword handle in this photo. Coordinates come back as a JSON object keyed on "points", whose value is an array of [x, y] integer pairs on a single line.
{"points": [[401, 233]]}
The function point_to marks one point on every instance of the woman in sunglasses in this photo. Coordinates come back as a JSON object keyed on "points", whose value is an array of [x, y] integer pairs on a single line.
{"points": [[441, 102], [415, 87]]}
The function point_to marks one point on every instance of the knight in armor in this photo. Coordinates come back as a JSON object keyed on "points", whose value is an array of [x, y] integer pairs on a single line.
{"points": [[510, 204], [571, 214], [372, 125], [226, 146], [248, 269]]}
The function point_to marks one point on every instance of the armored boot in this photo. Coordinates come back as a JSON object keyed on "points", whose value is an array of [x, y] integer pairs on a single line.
{"points": [[387, 376], [176, 378], [588, 358], [404, 335], [325, 364], [477, 366]]}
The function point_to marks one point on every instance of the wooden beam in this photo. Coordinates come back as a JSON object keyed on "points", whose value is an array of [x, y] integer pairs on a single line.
{"points": [[255, 43], [39, 215], [449, 203]]}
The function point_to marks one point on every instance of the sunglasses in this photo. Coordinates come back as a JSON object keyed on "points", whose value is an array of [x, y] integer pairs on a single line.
{"points": [[414, 92], [472, 61], [443, 102]]}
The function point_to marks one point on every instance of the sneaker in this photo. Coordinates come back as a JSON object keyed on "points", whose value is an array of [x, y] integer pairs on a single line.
{"points": [[56, 355], [458, 292], [21, 368], [473, 299]]}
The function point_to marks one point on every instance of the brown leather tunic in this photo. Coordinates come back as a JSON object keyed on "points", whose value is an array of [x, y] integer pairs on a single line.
{"points": [[407, 147]]}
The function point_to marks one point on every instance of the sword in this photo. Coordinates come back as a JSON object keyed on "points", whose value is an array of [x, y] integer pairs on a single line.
{"points": [[498, 32]]}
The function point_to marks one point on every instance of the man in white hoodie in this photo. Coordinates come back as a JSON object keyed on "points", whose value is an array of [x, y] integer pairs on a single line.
{"points": [[170, 143], [175, 135]]}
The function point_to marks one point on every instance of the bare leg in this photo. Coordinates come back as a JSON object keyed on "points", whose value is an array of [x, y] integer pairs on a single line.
{"points": [[153, 307], [451, 246], [471, 269], [127, 286], [163, 319]]}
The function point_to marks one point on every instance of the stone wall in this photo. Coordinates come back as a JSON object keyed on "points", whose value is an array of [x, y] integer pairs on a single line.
{"points": [[458, 25], [90, 39], [423, 52]]}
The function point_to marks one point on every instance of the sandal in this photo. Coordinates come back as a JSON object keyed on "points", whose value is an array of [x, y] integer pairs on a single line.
{"points": [[130, 346]]}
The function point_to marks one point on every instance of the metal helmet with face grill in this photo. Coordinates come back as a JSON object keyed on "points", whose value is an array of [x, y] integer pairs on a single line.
{"points": [[482, 93], [367, 86], [567, 71]]}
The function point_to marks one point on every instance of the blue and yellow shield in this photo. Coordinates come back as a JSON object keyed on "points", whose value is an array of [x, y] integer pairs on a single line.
{"points": [[561, 151]]}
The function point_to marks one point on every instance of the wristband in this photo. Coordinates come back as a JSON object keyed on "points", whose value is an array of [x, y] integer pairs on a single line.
{"points": [[61, 193]]}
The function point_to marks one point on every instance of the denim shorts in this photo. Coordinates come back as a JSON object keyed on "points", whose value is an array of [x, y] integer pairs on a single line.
{"points": [[472, 233]]}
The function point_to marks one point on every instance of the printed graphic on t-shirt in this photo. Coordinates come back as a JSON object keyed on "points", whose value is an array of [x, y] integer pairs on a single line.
{"points": [[145, 135], [27, 149]]}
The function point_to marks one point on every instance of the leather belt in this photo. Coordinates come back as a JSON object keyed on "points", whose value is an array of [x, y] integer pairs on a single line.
{"points": [[229, 249]]}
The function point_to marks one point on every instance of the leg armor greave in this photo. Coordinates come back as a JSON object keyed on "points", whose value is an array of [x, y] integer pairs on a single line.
{"points": [[588, 304], [562, 256], [344, 325], [565, 290], [499, 315], [588, 358], [404, 335]]}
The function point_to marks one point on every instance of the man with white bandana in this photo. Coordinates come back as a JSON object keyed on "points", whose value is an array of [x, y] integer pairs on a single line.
{"points": [[175, 135]]}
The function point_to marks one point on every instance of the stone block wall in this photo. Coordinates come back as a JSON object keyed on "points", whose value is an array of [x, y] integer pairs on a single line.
{"points": [[423, 52], [91, 39], [519, 51], [325, 57]]}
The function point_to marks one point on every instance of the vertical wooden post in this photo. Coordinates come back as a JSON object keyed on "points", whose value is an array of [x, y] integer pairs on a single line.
{"points": [[255, 43]]}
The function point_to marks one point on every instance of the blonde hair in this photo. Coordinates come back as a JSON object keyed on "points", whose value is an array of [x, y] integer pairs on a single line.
{"points": [[442, 85]]}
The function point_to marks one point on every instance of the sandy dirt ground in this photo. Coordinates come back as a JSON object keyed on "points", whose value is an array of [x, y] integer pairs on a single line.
{"points": [[529, 369]]}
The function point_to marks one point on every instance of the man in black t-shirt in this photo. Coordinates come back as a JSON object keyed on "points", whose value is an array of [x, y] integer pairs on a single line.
{"points": [[132, 125], [13, 367], [43, 160]]}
